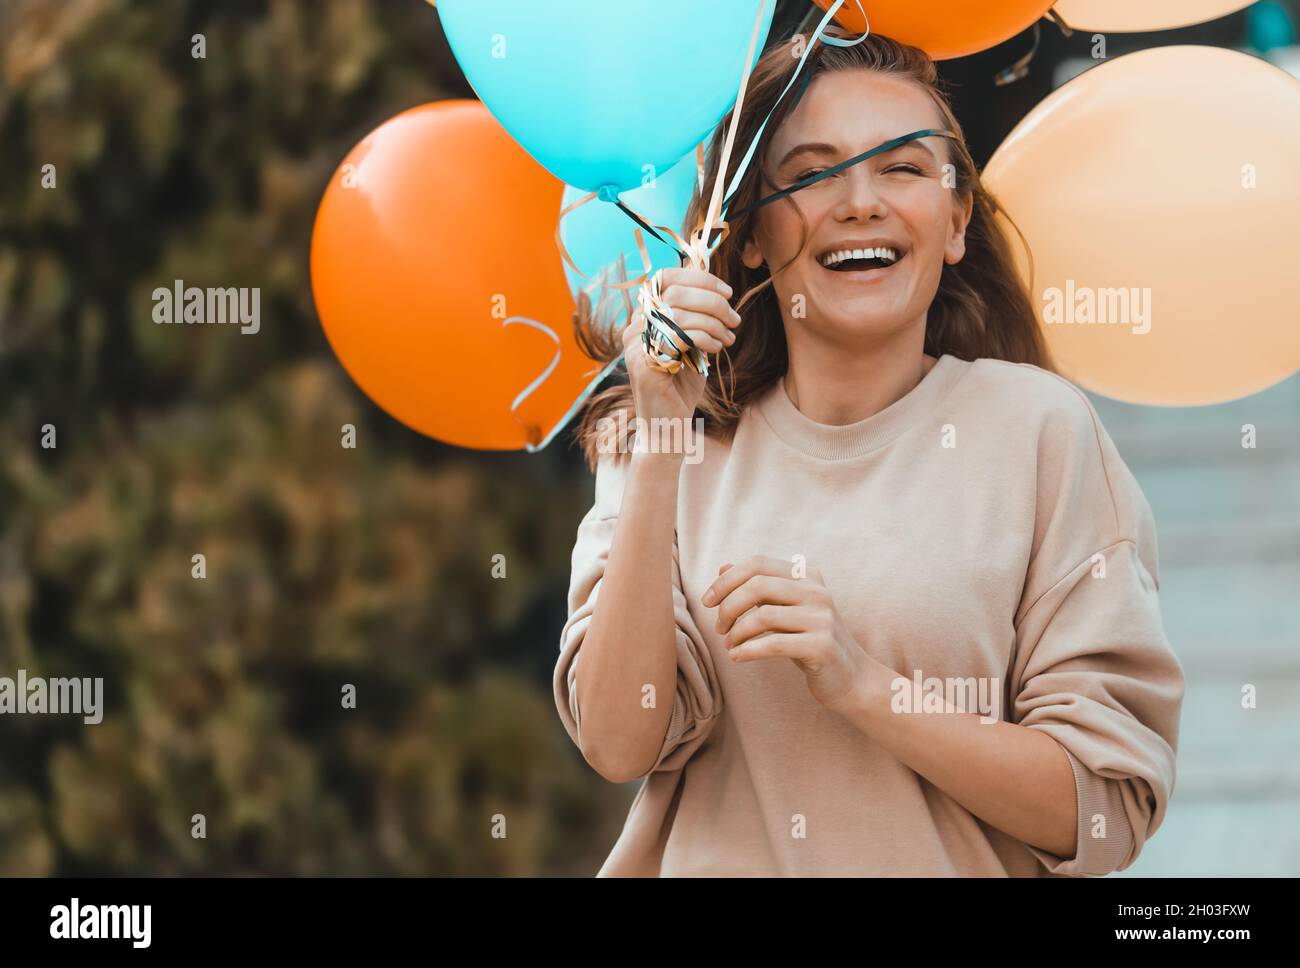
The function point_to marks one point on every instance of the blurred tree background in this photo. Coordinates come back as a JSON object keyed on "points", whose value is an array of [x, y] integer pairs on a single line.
{"points": [[325, 565]]}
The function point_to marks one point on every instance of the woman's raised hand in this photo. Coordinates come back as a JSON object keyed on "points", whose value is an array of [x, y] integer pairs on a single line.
{"points": [[699, 303]]}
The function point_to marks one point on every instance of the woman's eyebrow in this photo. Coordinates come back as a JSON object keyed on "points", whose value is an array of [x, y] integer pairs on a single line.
{"points": [[811, 147], [917, 143], [822, 148]]}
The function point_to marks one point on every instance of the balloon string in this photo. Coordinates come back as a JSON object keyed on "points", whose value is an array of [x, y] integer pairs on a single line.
{"points": [[1057, 19], [1017, 70], [554, 360], [683, 248], [701, 246], [825, 173], [817, 35], [559, 238], [678, 244], [698, 251], [663, 337], [532, 432]]}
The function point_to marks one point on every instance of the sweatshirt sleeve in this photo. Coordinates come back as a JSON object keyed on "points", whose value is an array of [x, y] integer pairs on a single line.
{"points": [[1092, 667], [697, 700]]}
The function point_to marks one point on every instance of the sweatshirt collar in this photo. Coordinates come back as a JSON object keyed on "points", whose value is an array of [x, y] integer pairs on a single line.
{"points": [[842, 441]]}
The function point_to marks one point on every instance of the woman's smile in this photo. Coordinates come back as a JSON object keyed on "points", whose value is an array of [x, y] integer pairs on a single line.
{"points": [[861, 270]]}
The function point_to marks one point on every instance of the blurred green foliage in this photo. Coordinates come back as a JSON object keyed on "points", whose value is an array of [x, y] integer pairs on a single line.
{"points": [[325, 565]]}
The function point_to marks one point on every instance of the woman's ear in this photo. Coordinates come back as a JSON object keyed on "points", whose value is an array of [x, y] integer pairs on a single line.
{"points": [[955, 248], [751, 254]]}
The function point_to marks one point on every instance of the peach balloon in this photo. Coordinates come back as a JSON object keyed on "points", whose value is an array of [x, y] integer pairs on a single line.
{"points": [[1125, 15], [942, 28], [1160, 194], [432, 259]]}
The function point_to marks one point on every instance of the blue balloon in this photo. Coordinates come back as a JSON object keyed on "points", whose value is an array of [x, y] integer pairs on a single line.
{"points": [[598, 232], [598, 90]]}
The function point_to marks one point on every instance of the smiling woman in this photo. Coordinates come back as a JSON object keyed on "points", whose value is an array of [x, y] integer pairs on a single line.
{"points": [[874, 116], [895, 489]]}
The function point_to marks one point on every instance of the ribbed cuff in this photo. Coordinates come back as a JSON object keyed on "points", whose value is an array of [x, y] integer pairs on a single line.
{"points": [[1105, 836]]}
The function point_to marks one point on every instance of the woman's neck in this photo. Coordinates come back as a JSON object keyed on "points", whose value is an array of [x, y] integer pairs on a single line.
{"points": [[829, 386]]}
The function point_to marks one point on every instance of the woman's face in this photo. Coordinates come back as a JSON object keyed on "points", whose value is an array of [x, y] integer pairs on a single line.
{"points": [[902, 199]]}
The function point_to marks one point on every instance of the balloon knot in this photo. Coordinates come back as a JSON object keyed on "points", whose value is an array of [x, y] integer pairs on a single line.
{"points": [[607, 193]]}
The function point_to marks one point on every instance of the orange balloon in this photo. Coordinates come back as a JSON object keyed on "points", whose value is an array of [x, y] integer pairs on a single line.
{"points": [[942, 28], [432, 257], [1159, 194]]}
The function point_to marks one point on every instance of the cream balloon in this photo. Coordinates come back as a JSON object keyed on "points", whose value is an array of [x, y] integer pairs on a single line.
{"points": [[1126, 15], [1159, 194]]}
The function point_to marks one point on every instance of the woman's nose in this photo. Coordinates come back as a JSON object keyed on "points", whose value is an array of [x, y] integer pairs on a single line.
{"points": [[860, 194]]}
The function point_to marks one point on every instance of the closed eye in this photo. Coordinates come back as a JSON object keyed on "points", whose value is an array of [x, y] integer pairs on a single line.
{"points": [[913, 169], [809, 173]]}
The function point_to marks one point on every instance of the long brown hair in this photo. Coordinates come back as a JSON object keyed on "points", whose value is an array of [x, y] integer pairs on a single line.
{"points": [[981, 308]]}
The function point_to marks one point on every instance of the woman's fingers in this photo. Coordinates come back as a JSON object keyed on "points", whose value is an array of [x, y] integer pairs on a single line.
{"points": [[732, 577], [769, 618], [706, 332], [772, 645], [700, 300], [701, 278], [756, 591]]}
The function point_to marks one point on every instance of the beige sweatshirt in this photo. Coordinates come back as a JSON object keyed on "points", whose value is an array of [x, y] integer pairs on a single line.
{"points": [[982, 526]]}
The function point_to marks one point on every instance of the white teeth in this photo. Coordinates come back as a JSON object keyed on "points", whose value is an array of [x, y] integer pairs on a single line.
{"points": [[834, 258]]}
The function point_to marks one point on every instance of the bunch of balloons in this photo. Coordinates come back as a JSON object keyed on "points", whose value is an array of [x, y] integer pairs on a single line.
{"points": [[435, 268], [435, 257]]}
